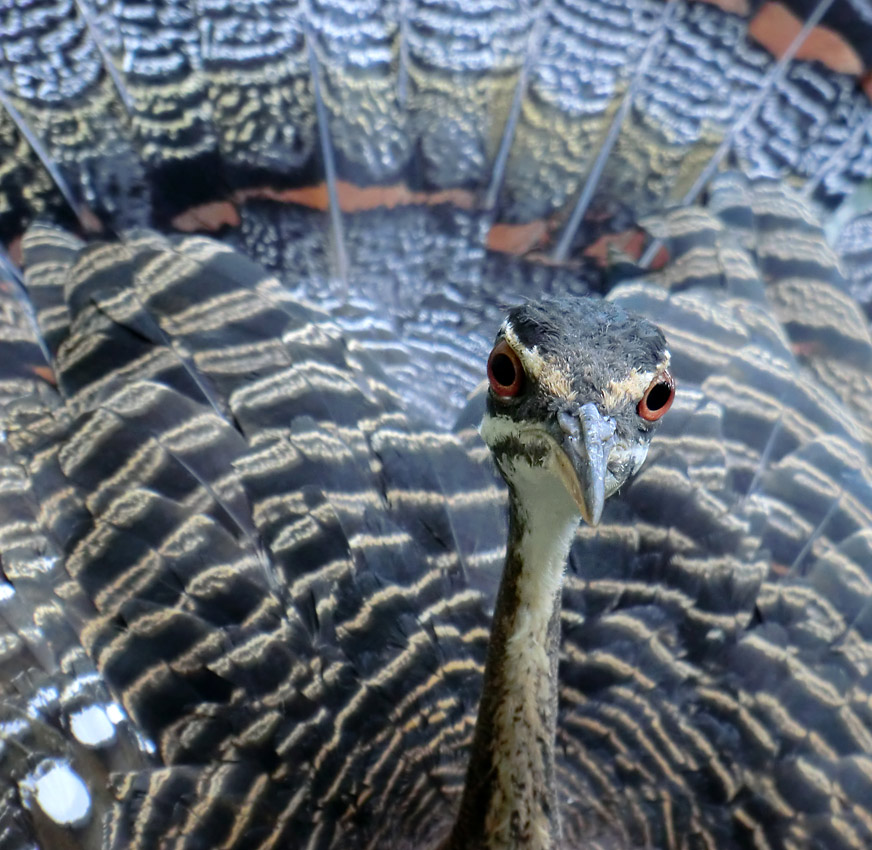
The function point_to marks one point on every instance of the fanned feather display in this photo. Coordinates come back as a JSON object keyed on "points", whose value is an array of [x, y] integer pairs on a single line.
{"points": [[254, 255]]}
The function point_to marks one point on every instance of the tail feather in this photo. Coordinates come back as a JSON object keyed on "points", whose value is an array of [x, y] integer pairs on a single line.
{"points": [[529, 110], [853, 247], [231, 517], [749, 561]]}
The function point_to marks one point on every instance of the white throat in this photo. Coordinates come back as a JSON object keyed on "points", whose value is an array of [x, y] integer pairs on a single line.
{"points": [[550, 518], [525, 717], [549, 514]]}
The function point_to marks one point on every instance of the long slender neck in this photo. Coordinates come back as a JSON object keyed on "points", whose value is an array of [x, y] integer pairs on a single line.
{"points": [[510, 798]]}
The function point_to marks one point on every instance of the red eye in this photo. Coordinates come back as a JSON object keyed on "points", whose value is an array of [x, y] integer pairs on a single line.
{"points": [[504, 370], [658, 397]]}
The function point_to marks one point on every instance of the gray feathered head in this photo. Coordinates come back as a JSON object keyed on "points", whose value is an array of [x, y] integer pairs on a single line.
{"points": [[576, 385]]}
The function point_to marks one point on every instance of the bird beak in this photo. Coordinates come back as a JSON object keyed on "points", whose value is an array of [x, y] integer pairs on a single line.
{"points": [[587, 441]]}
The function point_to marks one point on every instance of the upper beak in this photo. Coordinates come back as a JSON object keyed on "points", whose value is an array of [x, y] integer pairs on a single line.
{"points": [[587, 441]]}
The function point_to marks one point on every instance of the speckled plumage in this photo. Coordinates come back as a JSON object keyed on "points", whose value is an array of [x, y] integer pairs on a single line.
{"points": [[248, 566]]}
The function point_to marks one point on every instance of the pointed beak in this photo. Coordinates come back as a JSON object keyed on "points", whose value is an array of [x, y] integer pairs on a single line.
{"points": [[587, 440]]}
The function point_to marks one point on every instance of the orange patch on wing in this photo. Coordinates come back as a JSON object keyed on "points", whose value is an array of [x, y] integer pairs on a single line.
{"points": [[46, 373], [505, 238], [775, 27], [809, 348], [13, 249], [313, 197], [516, 238], [212, 216], [353, 198], [90, 223], [632, 243]]}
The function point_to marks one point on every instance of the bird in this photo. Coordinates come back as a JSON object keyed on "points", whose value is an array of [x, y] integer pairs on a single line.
{"points": [[252, 539]]}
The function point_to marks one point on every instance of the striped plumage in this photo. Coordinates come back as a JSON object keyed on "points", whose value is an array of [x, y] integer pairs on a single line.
{"points": [[248, 567]]}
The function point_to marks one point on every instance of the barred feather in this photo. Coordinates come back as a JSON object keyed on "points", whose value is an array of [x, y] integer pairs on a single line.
{"points": [[247, 562]]}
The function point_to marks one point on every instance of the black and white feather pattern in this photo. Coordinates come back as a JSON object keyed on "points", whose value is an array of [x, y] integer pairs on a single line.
{"points": [[247, 564]]}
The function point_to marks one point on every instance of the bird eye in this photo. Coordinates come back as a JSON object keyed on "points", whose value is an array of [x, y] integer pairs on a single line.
{"points": [[504, 370], [658, 397]]}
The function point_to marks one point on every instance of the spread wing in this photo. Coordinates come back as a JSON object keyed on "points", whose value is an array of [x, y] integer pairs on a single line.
{"points": [[246, 567]]}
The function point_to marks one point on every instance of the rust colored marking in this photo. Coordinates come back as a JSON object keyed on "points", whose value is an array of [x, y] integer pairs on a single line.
{"points": [[210, 217], [312, 197], [517, 238], [90, 223], [809, 348], [354, 198], [775, 27], [15, 252], [631, 243], [661, 258], [505, 238], [866, 84], [46, 373]]}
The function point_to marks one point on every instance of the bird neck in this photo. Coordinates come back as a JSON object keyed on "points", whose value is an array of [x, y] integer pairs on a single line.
{"points": [[510, 798]]}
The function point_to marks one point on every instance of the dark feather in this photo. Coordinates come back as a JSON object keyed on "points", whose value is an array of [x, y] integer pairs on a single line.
{"points": [[246, 568]]}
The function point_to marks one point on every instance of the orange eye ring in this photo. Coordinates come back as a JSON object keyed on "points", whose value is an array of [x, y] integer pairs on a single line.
{"points": [[504, 370], [658, 397]]}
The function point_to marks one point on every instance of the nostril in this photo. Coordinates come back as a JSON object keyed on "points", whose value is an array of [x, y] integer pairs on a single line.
{"points": [[597, 426], [568, 423]]}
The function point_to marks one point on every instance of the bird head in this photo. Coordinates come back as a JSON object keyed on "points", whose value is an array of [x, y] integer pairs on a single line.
{"points": [[577, 387]]}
